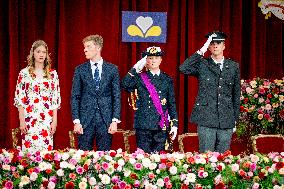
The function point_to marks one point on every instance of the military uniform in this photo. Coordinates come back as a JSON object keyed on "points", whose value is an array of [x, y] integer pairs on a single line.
{"points": [[218, 100], [150, 137]]}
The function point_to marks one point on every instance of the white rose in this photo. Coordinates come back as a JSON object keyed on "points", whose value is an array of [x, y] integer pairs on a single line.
{"points": [[92, 181], [105, 179]]}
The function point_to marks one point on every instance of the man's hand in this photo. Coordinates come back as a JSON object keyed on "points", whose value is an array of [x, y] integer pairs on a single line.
{"points": [[112, 128], [173, 132], [23, 128], [140, 64], [53, 128], [207, 43], [78, 129]]}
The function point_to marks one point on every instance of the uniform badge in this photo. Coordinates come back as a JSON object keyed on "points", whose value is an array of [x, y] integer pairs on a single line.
{"points": [[164, 101]]}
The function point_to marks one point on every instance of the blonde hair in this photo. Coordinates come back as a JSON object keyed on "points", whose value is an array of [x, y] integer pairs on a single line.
{"points": [[97, 40], [31, 60]]}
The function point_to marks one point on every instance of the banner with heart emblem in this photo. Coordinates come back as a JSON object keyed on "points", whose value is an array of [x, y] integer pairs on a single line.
{"points": [[144, 26]]}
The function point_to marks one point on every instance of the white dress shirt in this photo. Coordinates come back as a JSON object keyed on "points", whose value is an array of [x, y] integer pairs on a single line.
{"points": [[100, 66], [221, 62]]}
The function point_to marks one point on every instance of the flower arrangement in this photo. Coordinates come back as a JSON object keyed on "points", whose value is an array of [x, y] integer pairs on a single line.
{"points": [[117, 169], [262, 107]]}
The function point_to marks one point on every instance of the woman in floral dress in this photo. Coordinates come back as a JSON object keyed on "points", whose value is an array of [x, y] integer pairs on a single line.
{"points": [[37, 98]]}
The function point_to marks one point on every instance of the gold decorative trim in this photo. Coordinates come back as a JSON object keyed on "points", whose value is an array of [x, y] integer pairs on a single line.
{"points": [[15, 139], [180, 140], [126, 136], [72, 139], [133, 99], [254, 138]]}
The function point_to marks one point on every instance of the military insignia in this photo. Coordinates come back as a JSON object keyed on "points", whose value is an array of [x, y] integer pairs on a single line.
{"points": [[164, 101]]}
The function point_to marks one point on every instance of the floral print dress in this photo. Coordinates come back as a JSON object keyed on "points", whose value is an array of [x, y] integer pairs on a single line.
{"points": [[38, 97]]}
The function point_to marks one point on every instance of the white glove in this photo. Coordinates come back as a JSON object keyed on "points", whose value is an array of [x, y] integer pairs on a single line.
{"points": [[173, 132], [206, 44], [140, 64]]}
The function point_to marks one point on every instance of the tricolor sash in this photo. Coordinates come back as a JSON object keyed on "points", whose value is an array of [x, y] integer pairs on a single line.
{"points": [[156, 100]]}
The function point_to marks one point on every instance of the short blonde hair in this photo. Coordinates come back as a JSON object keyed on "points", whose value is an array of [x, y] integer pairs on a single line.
{"points": [[97, 40]]}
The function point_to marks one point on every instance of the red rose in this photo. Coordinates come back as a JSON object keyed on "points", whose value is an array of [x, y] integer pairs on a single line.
{"points": [[86, 167], [184, 186], [36, 100], [133, 176], [112, 153], [279, 165], [48, 171], [269, 95], [281, 114], [69, 185], [24, 162], [169, 164]]}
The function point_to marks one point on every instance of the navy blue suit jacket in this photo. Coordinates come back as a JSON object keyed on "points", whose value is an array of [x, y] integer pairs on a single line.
{"points": [[84, 97]]}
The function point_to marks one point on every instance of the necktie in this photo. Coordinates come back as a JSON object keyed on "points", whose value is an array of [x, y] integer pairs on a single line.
{"points": [[220, 65], [97, 77]]}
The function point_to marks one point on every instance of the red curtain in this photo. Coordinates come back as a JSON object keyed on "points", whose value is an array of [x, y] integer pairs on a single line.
{"points": [[254, 42]]}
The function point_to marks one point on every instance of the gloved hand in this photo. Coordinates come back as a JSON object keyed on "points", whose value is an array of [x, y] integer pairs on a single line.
{"points": [[173, 132], [206, 44], [140, 64]]}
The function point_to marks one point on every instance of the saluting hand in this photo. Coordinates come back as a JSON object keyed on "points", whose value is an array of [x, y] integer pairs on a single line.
{"points": [[140, 64], [207, 43]]}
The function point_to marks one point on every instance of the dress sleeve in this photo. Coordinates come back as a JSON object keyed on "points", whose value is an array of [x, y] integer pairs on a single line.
{"points": [[21, 98], [56, 98]]}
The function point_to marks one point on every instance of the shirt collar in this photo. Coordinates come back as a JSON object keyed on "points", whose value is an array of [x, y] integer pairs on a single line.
{"points": [[220, 62], [157, 73], [100, 62]]}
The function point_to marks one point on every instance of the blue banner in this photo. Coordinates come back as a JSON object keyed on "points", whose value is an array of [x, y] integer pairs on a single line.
{"points": [[144, 26]]}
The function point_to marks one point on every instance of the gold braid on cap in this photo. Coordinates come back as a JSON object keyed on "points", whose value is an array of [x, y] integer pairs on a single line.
{"points": [[133, 99]]}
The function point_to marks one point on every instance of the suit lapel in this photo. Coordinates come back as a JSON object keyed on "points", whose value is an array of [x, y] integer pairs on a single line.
{"points": [[103, 75], [88, 73]]}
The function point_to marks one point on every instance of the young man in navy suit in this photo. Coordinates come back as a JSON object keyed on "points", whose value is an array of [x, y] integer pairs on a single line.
{"points": [[95, 98]]}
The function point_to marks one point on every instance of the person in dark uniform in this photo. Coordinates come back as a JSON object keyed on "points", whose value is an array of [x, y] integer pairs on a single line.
{"points": [[95, 98], [217, 105], [155, 103]]}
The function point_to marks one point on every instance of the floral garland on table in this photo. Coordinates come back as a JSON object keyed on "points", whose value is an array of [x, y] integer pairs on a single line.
{"points": [[117, 169]]}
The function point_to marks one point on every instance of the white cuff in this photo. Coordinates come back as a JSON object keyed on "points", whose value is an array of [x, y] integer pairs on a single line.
{"points": [[115, 120], [200, 52], [76, 121]]}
